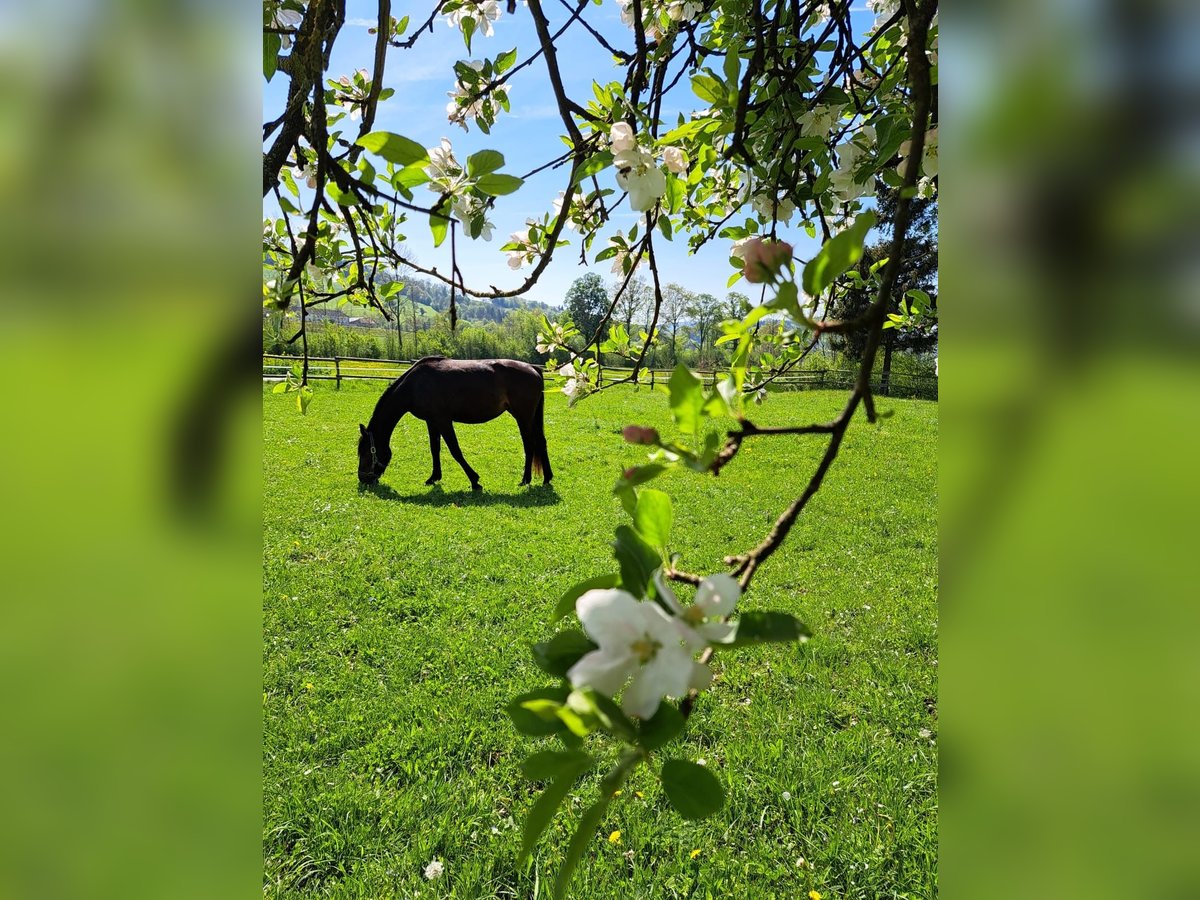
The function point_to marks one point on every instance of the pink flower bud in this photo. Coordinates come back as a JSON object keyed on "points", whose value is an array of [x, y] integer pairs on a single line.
{"points": [[764, 259], [629, 473], [637, 434]]}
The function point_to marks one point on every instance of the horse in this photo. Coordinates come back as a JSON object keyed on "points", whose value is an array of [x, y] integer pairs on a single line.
{"points": [[443, 391]]}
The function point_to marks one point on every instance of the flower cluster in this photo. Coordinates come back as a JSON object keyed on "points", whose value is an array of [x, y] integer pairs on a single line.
{"points": [[646, 651], [845, 178], [638, 171], [586, 212], [773, 208], [288, 19], [471, 211], [482, 13], [578, 385], [521, 246], [352, 92]]}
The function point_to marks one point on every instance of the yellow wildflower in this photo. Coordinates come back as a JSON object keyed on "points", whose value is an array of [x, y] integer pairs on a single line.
{"points": [[814, 895], [615, 837], [695, 853]]}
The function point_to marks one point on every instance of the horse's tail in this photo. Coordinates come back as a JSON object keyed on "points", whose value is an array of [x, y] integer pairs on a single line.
{"points": [[541, 457]]}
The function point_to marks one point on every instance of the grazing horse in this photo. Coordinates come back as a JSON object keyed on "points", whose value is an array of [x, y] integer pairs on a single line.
{"points": [[444, 391]]}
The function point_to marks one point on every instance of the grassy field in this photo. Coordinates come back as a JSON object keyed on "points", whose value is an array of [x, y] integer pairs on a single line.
{"points": [[395, 631]]}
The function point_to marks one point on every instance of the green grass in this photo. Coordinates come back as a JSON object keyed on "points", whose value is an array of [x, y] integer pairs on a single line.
{"points": [[395, 631]]}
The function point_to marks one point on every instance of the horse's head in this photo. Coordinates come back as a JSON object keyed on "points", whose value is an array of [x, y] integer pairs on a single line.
{"points": [[373, 458]]}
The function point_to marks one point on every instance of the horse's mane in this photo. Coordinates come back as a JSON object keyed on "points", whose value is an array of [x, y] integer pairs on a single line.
{"points": [[398, 383]]}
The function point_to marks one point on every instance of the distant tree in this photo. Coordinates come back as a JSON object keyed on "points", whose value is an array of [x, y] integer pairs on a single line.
{"points": [[918, 269], [638, 296], [676, 300], [736, 305], [705, 312], [587, 300]]}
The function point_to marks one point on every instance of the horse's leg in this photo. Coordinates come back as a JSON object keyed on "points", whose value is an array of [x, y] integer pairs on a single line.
{"points": [[435, 450], [451, 440], [527, 443]]}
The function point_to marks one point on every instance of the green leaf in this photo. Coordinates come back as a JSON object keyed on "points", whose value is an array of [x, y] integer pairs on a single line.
{"points": [[303, 398], [411, 176], [562, 651], [498, 185], [694, 791], [676, 194], [394, 148], [438, 225], [637, 560], [787, 298], [566, 603], [664, 226], [652, 517], [579, 842], [839, 253], [280, 388], [661, 727], [708, 89], [505, 61], [272, 44], [639, 475], [529, 722], [484, 162], [468, 30], [767, 627], [547, 765], [547, 804], [596, 163], [340, 197], [687, 399]]}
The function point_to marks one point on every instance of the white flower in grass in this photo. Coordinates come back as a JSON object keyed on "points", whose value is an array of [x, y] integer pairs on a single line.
{"points": [[675, 160], [434, 870], [638, 174], [641, 649]]}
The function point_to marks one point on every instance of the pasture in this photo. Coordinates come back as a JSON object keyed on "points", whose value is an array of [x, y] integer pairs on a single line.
{"points": [[395, 629]]}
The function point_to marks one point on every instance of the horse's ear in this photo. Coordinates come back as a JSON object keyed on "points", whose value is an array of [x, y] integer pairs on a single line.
{"points": [[362, 428]]}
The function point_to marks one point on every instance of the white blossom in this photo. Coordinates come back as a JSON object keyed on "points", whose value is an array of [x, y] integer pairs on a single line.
{"points": [[684, 10], [442, 164], [675, 160], [820, 120], [638, 174], [640, 649], [434, 870], [929, 156], [482, 12], [701, 622], [621, 138], [468, 207], [770, 207], [309, 174], [287, 18]]}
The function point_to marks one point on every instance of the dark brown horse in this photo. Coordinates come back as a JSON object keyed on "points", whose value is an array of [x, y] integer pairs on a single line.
{"points": [[444, 391]]}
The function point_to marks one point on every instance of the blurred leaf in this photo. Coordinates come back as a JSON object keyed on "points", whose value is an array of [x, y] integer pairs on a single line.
{"points": [[694, 792], [837, 255], [596, 163], [547, 804], [562, 651], [662, 727], [529, 722], [272, 44], [579, 842], [438, 225], [652, 517], [566, 603], [687, 399], [303, 398], [763, 627], [546, 765], [637, 560]]}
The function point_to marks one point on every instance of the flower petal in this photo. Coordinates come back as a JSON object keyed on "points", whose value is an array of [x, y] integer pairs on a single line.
{"points": [[665, 592], [718, 594], [611, 617], [702, 677], [601, 671], [643, 695]]}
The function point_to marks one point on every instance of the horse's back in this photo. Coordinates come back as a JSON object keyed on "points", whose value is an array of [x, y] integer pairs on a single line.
{"points": [[473, 390]]}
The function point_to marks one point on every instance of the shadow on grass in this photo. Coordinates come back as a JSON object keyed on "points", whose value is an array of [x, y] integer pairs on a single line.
{"points": [[534, 495]]}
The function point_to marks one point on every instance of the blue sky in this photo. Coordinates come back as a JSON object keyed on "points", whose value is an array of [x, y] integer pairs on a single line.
{"points": [[528, 137]]}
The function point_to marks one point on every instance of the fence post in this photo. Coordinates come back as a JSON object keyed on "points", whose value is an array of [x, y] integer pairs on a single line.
{"points": [[337, 372], [651, 379]]}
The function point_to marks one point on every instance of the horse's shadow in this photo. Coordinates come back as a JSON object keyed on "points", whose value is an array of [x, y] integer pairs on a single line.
{"points": [[538, 495]]}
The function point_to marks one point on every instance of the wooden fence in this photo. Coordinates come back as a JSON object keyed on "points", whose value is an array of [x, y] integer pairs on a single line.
{"points": [[336, 368]]}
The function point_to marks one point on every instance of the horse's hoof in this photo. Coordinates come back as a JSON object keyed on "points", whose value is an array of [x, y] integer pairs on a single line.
{"points": [[431, 480], [523, 483], [477, 486]]}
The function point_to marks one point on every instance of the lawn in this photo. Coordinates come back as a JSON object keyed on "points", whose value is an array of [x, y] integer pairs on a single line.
{"points": [[396, 624]]}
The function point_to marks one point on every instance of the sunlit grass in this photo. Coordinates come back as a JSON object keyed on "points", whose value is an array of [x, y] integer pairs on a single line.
{"points": [[395, 625]]}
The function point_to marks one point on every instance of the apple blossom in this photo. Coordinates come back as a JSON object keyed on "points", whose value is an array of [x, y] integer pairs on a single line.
{"points": [[638, 174], [637, 434], [701, 620], [764, 259], [621, 138], [287, 18], [675, 160], [482, 12], [640, 649]]}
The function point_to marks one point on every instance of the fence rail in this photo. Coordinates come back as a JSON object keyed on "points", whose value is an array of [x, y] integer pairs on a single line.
{"points": [[337, 368]]}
